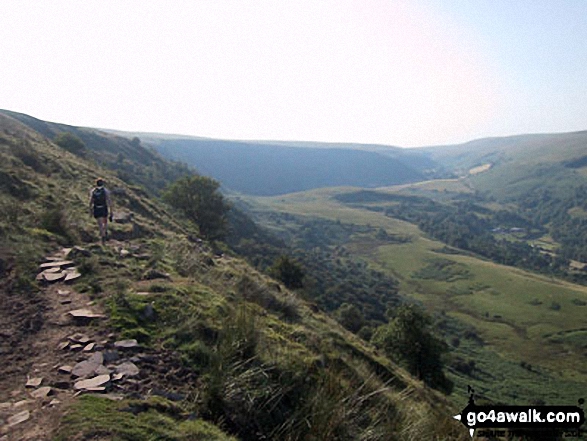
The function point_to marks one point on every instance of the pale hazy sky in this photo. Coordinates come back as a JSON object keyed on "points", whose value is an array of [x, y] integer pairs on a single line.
{"points": [[407, 73]]}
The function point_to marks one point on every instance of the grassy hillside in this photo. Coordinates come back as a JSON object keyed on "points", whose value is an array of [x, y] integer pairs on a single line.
{"points": [[225, 352], [518, 163], [125, 157], [515, 336]]}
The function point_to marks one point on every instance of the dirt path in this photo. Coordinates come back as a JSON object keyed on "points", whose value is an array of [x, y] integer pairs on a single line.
{"points": [[55, 344], [32, 330]]}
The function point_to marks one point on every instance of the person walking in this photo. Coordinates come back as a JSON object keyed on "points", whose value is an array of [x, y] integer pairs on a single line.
{"points": [[101, 207]]}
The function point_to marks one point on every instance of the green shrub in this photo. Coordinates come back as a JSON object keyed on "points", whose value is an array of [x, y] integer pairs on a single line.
{"points": [[198, 198], [407, 339], [289, 272]]}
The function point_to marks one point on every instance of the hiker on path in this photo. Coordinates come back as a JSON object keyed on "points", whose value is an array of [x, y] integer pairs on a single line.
{"points": [[100, 207]]}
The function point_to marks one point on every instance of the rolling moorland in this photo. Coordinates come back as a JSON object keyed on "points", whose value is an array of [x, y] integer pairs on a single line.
{"points": [[180, 337]]}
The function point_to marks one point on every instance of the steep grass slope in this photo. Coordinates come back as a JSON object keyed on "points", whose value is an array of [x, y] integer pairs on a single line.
{"points": [[226, 352]]}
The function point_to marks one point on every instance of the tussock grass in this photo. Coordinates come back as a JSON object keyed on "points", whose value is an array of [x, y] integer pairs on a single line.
{"points": [[156, 418]]}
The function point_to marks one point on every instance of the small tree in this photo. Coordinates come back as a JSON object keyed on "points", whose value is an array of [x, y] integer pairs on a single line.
{"points": [[407, 339], [289, 272], [71, 143], [199, 199], [350, 317]]}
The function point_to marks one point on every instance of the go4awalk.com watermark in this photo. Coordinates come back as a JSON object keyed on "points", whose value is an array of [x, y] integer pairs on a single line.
{"points": [[567, 419]]}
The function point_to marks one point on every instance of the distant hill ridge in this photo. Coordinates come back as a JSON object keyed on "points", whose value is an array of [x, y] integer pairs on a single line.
{"points": [[274, 169]]}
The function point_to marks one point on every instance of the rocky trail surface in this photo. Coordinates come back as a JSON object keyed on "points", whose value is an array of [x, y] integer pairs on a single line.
{"points": [[56, 345]]}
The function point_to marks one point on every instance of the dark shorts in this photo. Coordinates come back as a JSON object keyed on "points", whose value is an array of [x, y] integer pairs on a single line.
{"points": [[100, 211]]}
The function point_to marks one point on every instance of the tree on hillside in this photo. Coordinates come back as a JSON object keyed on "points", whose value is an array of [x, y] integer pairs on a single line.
{"points": [[71, 143], [350, 317], [407, 340], [289, 272], [201, 202]]}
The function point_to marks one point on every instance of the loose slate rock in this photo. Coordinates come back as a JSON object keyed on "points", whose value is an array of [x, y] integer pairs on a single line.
{"points": [[88, 367], [103, 370], [65, 369], [34, 382], [63, 292], [79, 338], [59, 264], [89, 347], [126, 344], [85, 314], [92, 383], [52, 270], [20, 417], [128, 369], [95, 389], [54, 277], [22, 403], [71, 276], [41, 392]]}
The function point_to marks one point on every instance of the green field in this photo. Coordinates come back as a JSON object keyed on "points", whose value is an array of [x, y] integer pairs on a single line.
{"points": [[524, 319]]}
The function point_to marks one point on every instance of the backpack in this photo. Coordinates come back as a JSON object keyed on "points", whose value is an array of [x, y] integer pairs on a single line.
{"points": [[99, 197]]}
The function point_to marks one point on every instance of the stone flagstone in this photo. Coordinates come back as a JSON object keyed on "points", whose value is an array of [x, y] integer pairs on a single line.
{"points": [[52, 270], [59, 264], [53, 277], [88, 367], [126, 344], [41, 392], [85, 313], [34, 382], [65, 369], [128, 369], [92, 383], [79, 338], [20, 417], [70, 276]]}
